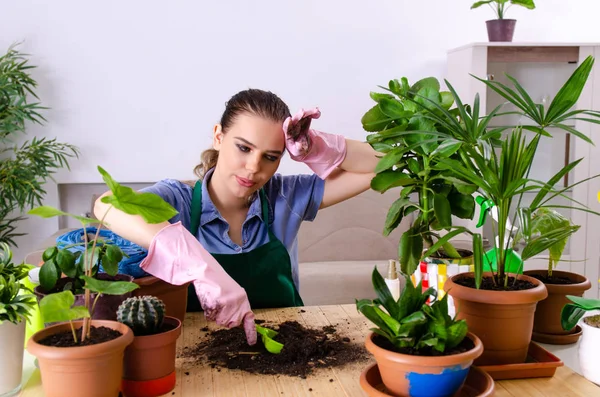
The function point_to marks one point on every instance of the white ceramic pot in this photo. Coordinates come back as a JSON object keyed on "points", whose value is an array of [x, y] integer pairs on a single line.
{"points": [[12, 339], [589, 348]]}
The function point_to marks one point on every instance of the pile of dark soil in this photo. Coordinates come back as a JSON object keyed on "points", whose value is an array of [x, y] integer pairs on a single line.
{"points": [[304, 349], [65, 338]]}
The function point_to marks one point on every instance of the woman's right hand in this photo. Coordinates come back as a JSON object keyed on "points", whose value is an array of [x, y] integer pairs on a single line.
{"points": [[177, 257]]}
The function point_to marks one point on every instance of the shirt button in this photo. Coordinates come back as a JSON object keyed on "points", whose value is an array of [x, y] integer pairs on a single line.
{"points": [[239, 249]]}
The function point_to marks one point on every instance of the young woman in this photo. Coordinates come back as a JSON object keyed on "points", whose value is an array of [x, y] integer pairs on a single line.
{"points": [[235, 237]]}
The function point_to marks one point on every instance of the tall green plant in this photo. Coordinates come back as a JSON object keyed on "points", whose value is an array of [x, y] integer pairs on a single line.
{"points": [[16, 302], [412, 146], [501, 6], [504, 178], [24, 168]]}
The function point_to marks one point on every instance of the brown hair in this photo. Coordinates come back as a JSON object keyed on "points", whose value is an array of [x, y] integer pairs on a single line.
{"points": [[254, 101]]}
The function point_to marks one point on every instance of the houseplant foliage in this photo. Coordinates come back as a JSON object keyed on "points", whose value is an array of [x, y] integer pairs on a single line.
{"points": [[24, 168], [412, 145], [419, 348], [502, 29], [501, 6]]}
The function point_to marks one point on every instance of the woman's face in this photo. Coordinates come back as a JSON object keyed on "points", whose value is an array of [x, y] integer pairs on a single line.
{"points": [[249, 153]]}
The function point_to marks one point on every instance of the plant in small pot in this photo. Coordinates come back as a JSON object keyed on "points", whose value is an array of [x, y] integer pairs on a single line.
{"points": [[547, 326], [83, 267], [412, 148], [499, 306], [16, 305], [420, 350], [502, 29], [572, 312], [149, 364]]}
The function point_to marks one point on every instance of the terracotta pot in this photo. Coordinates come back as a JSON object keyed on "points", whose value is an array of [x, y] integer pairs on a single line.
{"points": [[547, 314], [589, 360], [503, 320], [106, 308], [91, 371], [149, 364], [173, 296], [12, 338], [501, 29], [408, 375]]}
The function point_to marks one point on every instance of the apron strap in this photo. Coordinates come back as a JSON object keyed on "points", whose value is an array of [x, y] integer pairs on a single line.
{"points": [[196, 210]]}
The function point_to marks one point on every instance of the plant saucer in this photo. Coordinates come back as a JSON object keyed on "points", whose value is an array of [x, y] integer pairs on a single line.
{"points": [[554, 339]]}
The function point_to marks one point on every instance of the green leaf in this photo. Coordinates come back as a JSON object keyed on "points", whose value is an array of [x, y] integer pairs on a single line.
{"points": [[385, 296], [267, 336], [463, 187], [49, 253], [391, 323], [109, 287], [49, 274], [394, 215], [447, 148], [393, 109], [368, 310], [430, 83], [462, 205], [389, 179], [480, 3], [49, 212], [478, 259], [149, 206], [111, 259], [524, 3], [456, 333], [377, 97], [389, 160], [447, 99], [66, 262], [446, 238], [441, 208], [375, 120], [57, 308], [409, 251], [569, 93]]}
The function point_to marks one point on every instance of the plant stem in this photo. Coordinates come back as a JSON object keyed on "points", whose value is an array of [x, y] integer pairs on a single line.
{"points": [[95, 301], [73, 331]]}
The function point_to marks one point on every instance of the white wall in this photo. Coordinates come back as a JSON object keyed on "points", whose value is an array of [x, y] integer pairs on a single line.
{"points": [[137, 85]]}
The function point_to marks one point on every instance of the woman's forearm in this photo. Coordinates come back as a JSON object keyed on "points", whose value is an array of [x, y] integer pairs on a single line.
{"points": [[131, 227], [360, 157]]}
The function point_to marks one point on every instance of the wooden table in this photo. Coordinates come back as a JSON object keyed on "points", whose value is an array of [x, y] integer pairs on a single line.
{"points": [[195, 381]]}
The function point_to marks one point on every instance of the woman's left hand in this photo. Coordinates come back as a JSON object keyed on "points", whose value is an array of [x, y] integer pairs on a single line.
{"points": [[322, 152]]}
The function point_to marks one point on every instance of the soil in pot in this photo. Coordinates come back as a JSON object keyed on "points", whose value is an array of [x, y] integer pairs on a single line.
{"points": [[304, 350], [65, 338], [466, 345], [489, 284], [554, 279], [592, 321]]}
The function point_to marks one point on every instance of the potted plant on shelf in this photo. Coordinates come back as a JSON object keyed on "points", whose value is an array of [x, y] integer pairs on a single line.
{"points": [[97, 346], [502, 29], [502, 179], [149, 364], [16, 305], [419, 349], [409, 140], [547, 327], [572, 312]]}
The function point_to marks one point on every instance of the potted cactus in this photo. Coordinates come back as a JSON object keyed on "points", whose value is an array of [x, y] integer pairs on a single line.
{"points": [[149, 364]]}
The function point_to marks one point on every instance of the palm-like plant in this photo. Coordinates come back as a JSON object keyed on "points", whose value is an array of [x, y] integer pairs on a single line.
{"points": [[504, 178], [23, 168]]}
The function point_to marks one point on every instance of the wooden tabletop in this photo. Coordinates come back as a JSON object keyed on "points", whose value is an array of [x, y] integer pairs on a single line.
{"points": [[194, 380]]}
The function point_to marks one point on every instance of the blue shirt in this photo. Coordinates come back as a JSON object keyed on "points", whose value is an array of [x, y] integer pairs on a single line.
{"points": [[291, 200]]}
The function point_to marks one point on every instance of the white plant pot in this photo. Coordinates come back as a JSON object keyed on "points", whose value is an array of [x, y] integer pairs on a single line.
{"points": [[12, 340], [589, 349]]}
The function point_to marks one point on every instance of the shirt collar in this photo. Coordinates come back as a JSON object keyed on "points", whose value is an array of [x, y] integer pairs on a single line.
{"points": [[210, 212]]}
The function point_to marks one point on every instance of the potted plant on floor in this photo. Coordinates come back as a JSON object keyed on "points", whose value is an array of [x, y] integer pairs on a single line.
{"points": [[572, 312], [411, 144], [16, 305], [501, 180], [149, 364], [419, 349], [547, 327], [502, 29], [97, 346]]}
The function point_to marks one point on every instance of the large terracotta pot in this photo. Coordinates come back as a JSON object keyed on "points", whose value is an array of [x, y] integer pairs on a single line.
{"points": [[547, 314], [503, 320], [149, 365], [173, 296], [436, 376], [91, 371]]}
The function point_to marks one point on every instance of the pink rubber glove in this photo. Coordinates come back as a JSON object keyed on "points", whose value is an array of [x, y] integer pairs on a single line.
{"points": [[176, 256], [322, 152]]}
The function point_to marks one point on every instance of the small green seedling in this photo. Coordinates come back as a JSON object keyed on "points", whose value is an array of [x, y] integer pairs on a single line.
{"points": [[572, 312], [58, 307], [267, 336]]}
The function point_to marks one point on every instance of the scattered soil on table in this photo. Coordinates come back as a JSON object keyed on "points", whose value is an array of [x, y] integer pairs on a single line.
{"points": [[553, 279], [488, 284], [304, 349], [466, 345], [65, 338], [593, 321]]}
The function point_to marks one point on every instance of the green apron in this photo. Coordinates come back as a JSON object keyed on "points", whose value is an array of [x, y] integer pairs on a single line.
{"points": [[265, 272]]}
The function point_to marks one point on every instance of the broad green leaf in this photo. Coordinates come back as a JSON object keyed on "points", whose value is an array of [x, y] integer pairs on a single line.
{"points": [[375, 120], [66, 262], [409, 251], [426, 83], [385, 296], [462, 205], [57, 307], [570, 316], [389, 160], [447, 148], [462, 186], [569, 93], [149, 206], [49, 253], [393, 108], [369, 312], [389, 179], [394, 215], [456, 333], [480, 3], [541, 243], [438, 244], [109, 287], [377, 97], [49, 274], [46, 211], [443, 213], [391, 322]]}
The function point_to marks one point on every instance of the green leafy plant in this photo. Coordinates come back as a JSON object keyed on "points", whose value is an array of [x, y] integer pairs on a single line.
{"points": [[148, 205], [267, 336], [503, 178], [24, 168], [143, 314], [15, 305], [410, 324], [572, 312], [59, 307], [501, 6], [412, 146]]}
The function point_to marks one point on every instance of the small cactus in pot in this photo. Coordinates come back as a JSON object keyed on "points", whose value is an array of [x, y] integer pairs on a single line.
{"points": [[143, 314]]}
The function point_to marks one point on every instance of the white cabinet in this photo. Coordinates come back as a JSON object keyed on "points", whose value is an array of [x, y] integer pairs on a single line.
{"points": [[542, 68]]}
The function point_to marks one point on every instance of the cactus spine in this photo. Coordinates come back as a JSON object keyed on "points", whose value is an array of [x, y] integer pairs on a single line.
{"points": [[143, 314]]}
